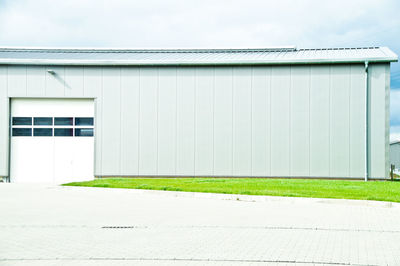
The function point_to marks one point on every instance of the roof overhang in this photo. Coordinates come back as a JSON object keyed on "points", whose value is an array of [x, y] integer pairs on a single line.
{"points": [[191, 57]]}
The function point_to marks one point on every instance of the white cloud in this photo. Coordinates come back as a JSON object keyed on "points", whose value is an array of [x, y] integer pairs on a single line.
{"points": [[193, 23]]}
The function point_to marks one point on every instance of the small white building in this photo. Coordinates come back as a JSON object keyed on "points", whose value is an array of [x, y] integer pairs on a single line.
{"points": [[75, 114], [395, 154]]}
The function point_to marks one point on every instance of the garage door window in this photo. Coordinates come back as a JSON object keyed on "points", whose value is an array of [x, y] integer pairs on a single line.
{"points": [[52, 126], [22, 121], [84, 121], [84, 132], [63, 132], [43, 121], [22, 132], [42, 132], [63, 121]]}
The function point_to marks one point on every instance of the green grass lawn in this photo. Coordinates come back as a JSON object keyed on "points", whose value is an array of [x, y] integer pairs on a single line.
{"points": [[312, 188]]}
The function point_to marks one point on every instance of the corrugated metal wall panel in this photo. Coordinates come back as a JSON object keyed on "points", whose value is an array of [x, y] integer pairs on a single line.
{"points": [[148, 121], [300, 121], [36, 81], [242, 144], [167, 113], [130, 96], [16, 81], [319, 121], [186, 93], [339, 121], [4, 121], [377, 136], [261, 121], [387, 120], [280, 121], [55, 84], [357, 120], [204, 121], [110, 132], [225, 121], [74, 82]]}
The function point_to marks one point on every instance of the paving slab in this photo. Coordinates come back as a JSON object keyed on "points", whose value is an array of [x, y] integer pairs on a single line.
{"points": [[55, 225]]}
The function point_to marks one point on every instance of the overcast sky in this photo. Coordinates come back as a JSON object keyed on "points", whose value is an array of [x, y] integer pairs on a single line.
{"points": [[206, 23]]}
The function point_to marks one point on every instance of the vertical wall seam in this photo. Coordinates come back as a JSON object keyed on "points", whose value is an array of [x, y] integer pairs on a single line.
{"points": [[121, 121], [195, 121], [266, 121], [63, 82], [26, 81], [290, 120], [102, 120], [251, 120], [330, 120], [139, 120], [270, 123], [157, 116], [45, 81], [349, 116], [8, 154], [83, 81], [213, 127], [232, 123], [176, 122], [387, 120], [309, 120]]}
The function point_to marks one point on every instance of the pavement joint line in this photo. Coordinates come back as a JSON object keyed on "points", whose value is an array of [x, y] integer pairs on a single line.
{"points": [[191, 259], [205, 227]]}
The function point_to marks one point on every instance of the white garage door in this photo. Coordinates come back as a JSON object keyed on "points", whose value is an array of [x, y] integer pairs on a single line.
{"points": [[52, 140]]}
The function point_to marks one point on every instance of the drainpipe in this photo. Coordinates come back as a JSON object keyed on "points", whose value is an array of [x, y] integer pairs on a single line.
{"points": [[366, 121]]}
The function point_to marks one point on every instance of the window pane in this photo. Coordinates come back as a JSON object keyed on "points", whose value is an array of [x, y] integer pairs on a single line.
{"points": [[63, 132], [21, 132], [83, 121], [42, 132], [22, 121], [84, 132], [43, 121], [63, 121]]}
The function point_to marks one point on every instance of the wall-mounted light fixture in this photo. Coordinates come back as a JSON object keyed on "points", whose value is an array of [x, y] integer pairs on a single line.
{"points": [[51, 72]]}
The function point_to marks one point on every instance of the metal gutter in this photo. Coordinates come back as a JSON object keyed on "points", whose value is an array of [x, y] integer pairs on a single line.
{"points": [[71, 62]]}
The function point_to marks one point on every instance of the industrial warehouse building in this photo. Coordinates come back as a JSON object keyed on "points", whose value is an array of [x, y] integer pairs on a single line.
{"points": [[75, 114]]}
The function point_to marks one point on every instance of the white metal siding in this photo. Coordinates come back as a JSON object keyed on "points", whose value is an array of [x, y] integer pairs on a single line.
{"points": [[339, 121], [319, 121], [130, 96], [379, 139], [186, 109], [225, 121], [280, 121], [4, 122]]}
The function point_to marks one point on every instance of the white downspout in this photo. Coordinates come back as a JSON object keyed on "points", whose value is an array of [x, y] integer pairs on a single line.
{"points": [[366, 121]]}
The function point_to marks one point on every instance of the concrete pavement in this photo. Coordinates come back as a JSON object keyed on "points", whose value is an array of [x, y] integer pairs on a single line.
{"points": [[50, 225]]}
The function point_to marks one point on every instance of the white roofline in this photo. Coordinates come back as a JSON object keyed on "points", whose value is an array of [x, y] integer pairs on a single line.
{"points": [[151, 49], [78, 62], [388, 56]]}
